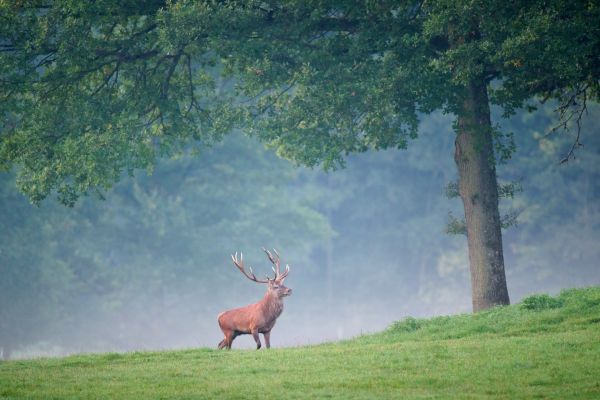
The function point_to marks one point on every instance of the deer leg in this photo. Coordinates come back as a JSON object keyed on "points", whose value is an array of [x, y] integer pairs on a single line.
{"points": [[267, 336], [256, 339], [226, 343], [234, 334]]}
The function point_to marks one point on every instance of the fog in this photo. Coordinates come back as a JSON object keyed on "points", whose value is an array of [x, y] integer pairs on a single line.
{"points": [[149, 268]]}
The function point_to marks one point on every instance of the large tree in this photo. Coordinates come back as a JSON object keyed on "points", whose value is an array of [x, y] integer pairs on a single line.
{"points": [[92, 89]]}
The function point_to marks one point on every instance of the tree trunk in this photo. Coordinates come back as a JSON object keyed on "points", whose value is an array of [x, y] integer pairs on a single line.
{"points": [[478, 189]]}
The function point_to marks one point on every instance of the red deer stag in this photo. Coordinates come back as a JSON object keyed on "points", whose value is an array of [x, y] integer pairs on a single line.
{"points": [[258, 317]]}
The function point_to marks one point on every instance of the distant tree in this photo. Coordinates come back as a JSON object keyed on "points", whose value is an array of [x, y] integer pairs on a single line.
{"points": [[143, 258], [93, 89], [34, 278], [559, 211]]}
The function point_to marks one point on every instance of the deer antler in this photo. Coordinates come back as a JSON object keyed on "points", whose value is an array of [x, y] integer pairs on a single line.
{"points": [[240, 265], [276, 262]]}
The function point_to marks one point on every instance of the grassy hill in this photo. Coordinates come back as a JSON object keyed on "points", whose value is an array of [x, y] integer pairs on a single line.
{"points": [[545, 347]]}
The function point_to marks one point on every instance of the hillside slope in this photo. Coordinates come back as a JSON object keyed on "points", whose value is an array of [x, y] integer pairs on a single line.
{"points": [[545, 347]]}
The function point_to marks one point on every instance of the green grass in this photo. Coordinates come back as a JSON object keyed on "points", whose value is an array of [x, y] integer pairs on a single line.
{"points": [[545, 347]]}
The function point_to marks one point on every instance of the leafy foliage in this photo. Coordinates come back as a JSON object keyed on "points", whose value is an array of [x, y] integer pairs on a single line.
{"points": [[108, 275], [455, 226], [90, 92], [139, 258]]}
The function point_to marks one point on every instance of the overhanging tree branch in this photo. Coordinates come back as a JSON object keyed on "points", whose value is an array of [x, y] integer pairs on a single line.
{"points": [[571, 110]]}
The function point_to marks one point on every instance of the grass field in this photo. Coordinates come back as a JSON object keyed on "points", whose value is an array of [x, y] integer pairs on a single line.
{"points": [[546, 347]]}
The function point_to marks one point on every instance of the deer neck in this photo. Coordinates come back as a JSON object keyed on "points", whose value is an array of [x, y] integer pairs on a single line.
{"points": [[272, 305]]}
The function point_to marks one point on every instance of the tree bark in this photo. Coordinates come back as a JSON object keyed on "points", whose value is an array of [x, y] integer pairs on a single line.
{"points": [[478, 189]]}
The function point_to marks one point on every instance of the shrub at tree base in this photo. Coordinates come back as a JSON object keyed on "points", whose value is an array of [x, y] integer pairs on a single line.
{"points": [[541, 302]]}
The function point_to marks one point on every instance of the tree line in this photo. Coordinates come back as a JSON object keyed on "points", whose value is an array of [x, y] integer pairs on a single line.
{"points": [[93, 91]]}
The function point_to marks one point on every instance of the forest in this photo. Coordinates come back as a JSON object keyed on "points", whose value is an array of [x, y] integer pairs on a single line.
{"points": [[407, 158], [149, 266]]}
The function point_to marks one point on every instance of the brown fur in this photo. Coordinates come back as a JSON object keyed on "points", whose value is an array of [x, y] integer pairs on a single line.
{"points": [[255, 318]]}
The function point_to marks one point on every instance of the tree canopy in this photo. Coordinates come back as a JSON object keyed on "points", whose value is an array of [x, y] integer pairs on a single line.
{"points": [[92, 90]]}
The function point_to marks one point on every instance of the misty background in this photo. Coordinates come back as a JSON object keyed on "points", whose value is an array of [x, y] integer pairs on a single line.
{"points": [[149, 267]]}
